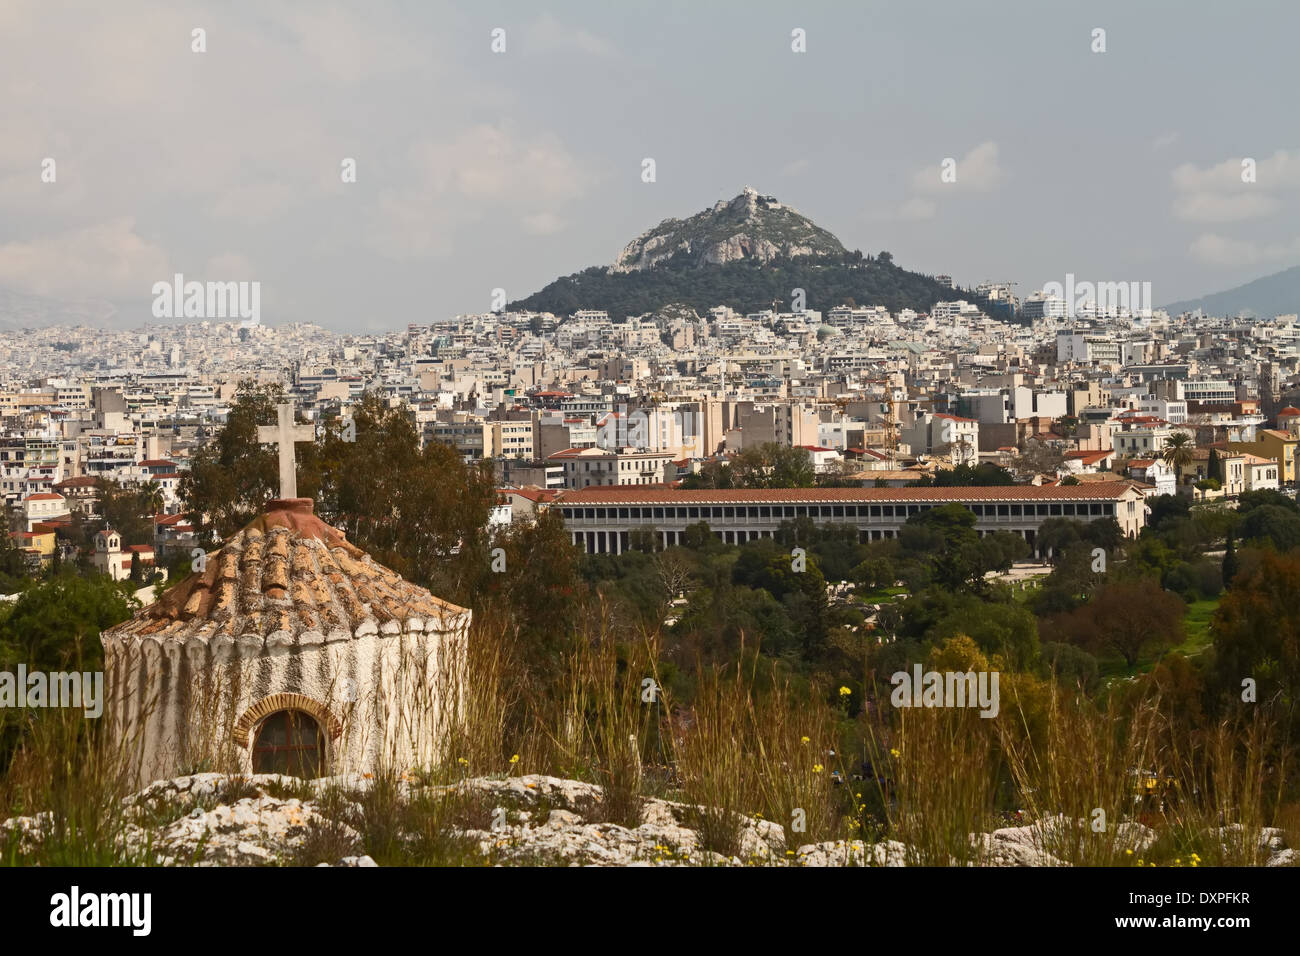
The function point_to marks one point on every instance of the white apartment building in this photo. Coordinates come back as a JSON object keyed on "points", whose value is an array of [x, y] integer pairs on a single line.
{"points": [[598, 467], [948, 437]]}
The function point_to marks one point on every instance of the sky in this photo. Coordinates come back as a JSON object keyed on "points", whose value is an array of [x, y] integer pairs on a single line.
{"points": [[479, 170]]}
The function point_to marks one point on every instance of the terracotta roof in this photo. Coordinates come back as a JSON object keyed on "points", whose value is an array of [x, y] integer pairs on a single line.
{"points": [[44, 496], [287, 578], [533, 494], [1290, 410], [643, 494], [1090, 456]]}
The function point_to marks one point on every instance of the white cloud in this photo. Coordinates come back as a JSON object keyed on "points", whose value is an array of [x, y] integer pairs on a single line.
{"points": [[484, 171], [1216, 193], [916, 209], [252, 204], [550, 36], [978, 171], [349, 46], [1216, 250], [228, 267], [1221, 207], [108, 259], [543, 224], [490, 164]]}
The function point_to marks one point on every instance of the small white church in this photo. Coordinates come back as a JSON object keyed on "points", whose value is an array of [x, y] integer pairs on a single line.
{"points": [[286, 651], [112, 559]]}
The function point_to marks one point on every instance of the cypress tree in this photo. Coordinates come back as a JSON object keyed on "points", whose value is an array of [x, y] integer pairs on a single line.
{"points": [[1231, 565]]}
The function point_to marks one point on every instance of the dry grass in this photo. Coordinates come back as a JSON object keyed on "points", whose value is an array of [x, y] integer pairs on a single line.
{"points": [[742, 747], [1082, 776]]}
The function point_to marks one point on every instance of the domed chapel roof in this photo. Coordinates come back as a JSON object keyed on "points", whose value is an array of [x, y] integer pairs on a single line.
{"points": [[288, 578]]}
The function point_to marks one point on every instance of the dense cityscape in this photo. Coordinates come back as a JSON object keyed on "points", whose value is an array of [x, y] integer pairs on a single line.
{"points": [[884, 457]]}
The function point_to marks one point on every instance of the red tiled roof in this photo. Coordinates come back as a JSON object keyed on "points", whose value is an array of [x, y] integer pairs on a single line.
{"points": [[44, 496], [645, 494], [1089, 456], [287, 578], [81, 481], [533, 494]]}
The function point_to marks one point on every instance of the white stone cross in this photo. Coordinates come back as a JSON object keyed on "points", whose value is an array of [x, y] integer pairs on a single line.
{"points": [[284, 433]]}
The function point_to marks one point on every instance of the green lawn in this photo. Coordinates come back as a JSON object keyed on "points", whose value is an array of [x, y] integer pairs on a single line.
{"points": [[1197, 626], [880, 595]]}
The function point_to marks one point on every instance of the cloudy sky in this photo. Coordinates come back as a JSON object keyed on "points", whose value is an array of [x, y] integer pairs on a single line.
{"points": [[478, 170]]}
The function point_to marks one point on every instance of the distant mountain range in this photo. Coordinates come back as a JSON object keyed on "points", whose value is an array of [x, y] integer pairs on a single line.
{"points": [[749, 253], [1278, 294], [19, 311]]}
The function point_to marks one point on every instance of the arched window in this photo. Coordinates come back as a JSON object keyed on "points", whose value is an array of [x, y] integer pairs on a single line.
{"points": [[289, 742]]}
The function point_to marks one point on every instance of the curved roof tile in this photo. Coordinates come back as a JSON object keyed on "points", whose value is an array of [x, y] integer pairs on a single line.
{"points": [[288, 574]]}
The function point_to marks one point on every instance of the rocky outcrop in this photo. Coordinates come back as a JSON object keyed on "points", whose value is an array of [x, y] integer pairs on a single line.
{"points": [[750, 226], [270, 820]]}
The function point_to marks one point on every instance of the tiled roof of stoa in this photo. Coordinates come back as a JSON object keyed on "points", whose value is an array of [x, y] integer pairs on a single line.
{"points": [[658, 494], [288, 578]]}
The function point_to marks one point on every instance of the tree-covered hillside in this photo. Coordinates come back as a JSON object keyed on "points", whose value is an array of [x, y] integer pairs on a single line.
{"points": [[746, 286]]}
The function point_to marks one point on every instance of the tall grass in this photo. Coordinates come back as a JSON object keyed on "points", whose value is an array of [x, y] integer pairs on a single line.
{"points": [[1082, 779], [742, 745], [934, 780], [608, 711], [71, 775]]}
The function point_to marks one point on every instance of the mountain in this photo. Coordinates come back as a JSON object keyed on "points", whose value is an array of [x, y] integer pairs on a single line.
{"points": [[21, 311], [750, 253], [1278, 294]]}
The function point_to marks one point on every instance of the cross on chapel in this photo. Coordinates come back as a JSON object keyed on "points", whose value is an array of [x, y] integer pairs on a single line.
{"points": [[284, 434]]}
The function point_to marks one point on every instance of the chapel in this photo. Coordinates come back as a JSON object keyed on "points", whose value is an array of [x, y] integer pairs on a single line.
{"points": [[289, 650]]}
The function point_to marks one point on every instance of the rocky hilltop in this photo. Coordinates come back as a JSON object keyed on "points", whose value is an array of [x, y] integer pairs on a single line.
{"points": [[750, 226], [748, 253]]}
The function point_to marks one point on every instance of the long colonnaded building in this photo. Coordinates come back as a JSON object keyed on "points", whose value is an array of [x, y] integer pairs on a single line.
{"points": [[600, 520]]}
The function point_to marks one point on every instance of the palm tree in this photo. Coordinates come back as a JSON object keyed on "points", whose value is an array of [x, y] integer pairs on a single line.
{"points": [[151, 496], [1178, 451]]}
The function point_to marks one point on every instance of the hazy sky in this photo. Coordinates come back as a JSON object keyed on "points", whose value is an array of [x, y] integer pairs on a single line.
{"points": [[478, 170]]}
